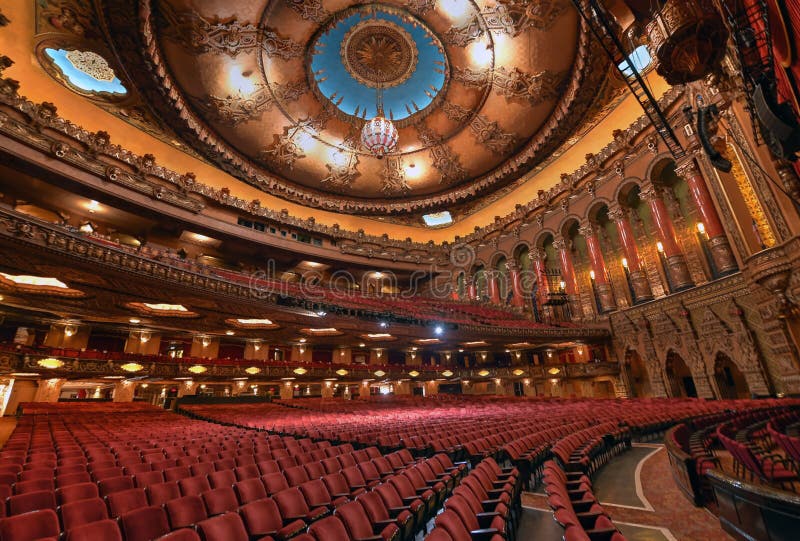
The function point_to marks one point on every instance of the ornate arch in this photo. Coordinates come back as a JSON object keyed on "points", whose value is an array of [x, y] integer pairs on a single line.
{"points": [[596, 205], [538, 240], [657, 160], [625, 186], [567, 219]]}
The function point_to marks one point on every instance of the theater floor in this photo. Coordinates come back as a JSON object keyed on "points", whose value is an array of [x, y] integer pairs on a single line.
{"points": [[655, 511]]}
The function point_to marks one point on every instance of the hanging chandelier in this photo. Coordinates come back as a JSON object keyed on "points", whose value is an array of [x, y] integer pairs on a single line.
{"points": [[379, 135]]}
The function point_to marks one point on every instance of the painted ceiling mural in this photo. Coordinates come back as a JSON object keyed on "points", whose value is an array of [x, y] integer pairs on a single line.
{"points": [[276, 92]]}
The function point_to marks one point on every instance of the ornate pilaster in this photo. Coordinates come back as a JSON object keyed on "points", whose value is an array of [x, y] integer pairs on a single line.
{"points": [[718, 244], [637, 276], [518, 298], [676, 265], [789, 179], [568, 274], [605, 296]]}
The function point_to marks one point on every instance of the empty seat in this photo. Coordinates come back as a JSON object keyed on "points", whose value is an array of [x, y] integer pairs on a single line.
{"points": [[317, 495], [105, 530], [185, 511], [80, 491], [220, 500], [123, 501], [32, 501], [293, 506], [82, 512], [67, 479], [360, 526], [34, 485], [227, 527], [249, 490], [194, 485], [247, 472], [42, 524], [161, 493], [274, 483], [224, 478], [263, 518], [147, 478], [114, 484], [329, 529], [144, 524]]}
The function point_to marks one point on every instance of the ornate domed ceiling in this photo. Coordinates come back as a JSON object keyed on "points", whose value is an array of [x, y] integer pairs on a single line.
{"points": [[277, 91]]}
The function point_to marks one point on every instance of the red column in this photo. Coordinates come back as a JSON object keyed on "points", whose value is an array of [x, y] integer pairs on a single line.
{"points": [[494, 290], [639, 282], [718, 243], [602, 287], [676, 263], [537, 256], [472, 290], [567, 270], [518, 298]]}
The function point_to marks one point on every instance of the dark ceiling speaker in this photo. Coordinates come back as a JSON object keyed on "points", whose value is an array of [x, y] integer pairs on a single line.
{"points": [[717, 159], [778, 124]]}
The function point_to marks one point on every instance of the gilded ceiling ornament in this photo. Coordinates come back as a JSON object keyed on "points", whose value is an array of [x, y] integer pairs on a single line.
{"points": [[198, 34], [232, 110], [420, 7], [342, 174], [393, 176], [92, 64], [310, 10], [379, 53], [535, 88], [442, 157], [275, 46], [491, 135], [455, 112], [516, 16], [448, 164], [472, 78], [284, 149], [463, 35]]}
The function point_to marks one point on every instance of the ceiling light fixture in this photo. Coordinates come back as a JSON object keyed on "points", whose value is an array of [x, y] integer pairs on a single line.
{"points": [[379, 135]]}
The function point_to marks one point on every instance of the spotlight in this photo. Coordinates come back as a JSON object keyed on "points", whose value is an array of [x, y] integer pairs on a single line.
{"points": [[438, 330], [383, 324]]}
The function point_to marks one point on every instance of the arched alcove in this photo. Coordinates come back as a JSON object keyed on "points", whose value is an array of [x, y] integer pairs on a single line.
{"points": [[679, 377], [638, 376], [731, 383]]}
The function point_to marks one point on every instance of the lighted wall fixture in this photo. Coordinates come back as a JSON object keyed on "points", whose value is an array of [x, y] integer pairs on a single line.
{"points": [[230, 333], [197, 369], [518, 372], [300, 371], [447, 373], [50, 362], [341, 372], [526, 381], [447, 355], [498, 381], [252, 370], [205, 341], [135, 320], [70, 330], [413, 373], [144, 336], [379, 373], [132, 367], [256, 345], [483, 373], [659, 246], [554, 371]]}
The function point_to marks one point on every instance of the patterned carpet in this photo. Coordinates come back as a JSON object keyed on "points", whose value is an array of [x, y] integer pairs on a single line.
{"points": [[671, 508]]}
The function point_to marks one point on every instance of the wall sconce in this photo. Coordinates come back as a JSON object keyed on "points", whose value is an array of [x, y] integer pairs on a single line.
{"points": [[256, 345], [328, 384], [625, 262], [447, 356], [591, 275], [341, 353], [379, 373], [197, 369], [554, 381], [447, 373], [341, 372], [660, 247], [526, 381], [563, 285], [252, 370], [379, 353], [498, 381], [144, 336], [483, 356], [205, 341], [302, 350], [701, 228], [70, 330], [300, 371], [549, 354], [144, 385]]}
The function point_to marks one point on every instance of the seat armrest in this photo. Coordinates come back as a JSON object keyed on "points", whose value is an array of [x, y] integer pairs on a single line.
{"points": [[484, 534], [394, 511], [292, 529]]}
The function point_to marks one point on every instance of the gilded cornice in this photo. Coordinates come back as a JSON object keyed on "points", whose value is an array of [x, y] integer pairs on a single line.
{"points": [[605, 166], [40, 126]]}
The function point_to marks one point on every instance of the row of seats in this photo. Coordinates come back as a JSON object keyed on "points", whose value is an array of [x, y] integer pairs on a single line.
{"points": [[487, 503], [149, 503]]}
